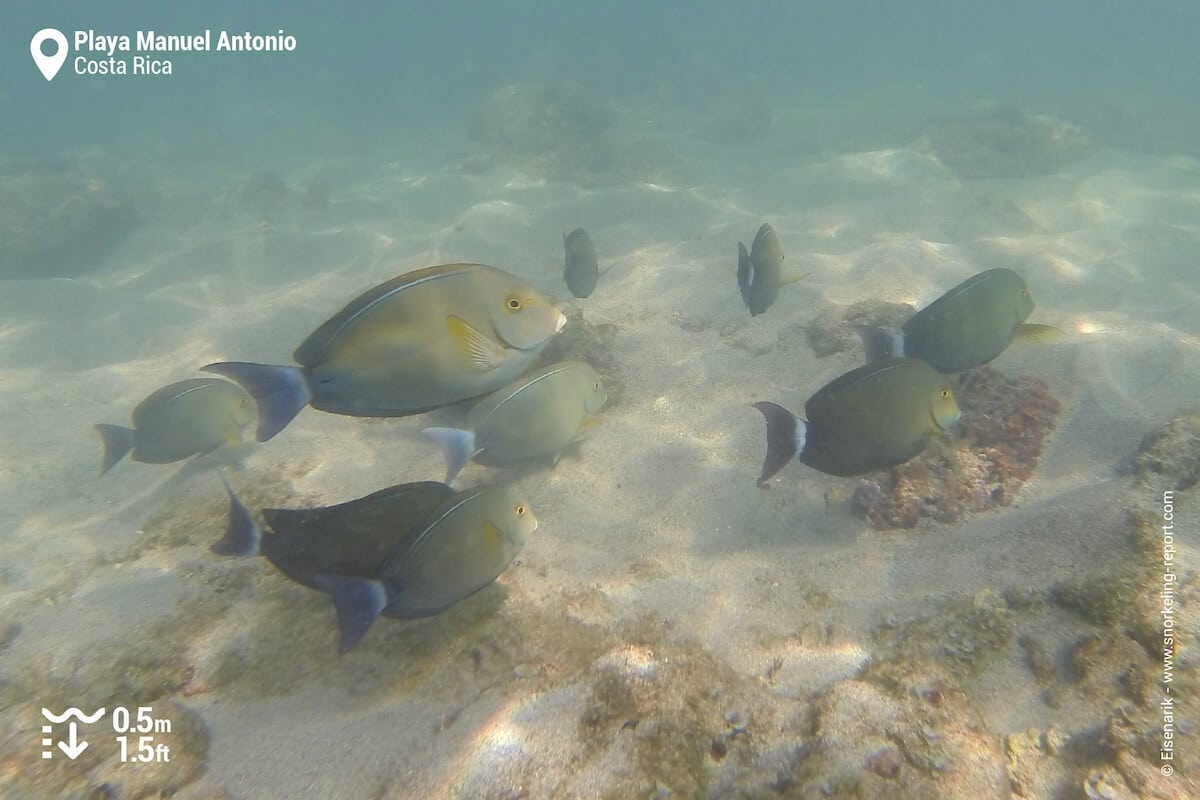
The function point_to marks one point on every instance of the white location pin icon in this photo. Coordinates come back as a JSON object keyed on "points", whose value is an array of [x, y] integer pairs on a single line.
{"points": [[49, 65]]}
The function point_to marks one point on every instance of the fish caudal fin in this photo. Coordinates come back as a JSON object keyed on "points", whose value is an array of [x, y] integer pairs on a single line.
{"points": [[118, 441], [880, 343], [280, 392], [242, 535], [785, 438], [458, 447], [358, 602]]}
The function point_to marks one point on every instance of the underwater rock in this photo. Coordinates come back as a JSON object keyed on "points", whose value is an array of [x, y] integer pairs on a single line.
{"points": [[1169, 458], [963, 637], [57, 220], [1004, 142], [981, 466], [833, 329], [867, 741], [558, 131]]}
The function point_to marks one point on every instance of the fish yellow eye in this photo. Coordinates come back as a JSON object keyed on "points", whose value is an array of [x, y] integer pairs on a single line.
{"points": [[520, 510], [513, 303], [596, 386], [945, 394]]}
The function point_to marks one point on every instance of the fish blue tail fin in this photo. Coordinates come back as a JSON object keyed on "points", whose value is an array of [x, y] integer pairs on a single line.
{"points": [[458, 447], [242, 536], [280, 392], [358, 602], [880, 343], [118, 441], [786, 435]]}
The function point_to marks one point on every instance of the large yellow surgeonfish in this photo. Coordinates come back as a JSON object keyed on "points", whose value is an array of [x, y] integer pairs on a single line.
{"points": [[423, 340]]}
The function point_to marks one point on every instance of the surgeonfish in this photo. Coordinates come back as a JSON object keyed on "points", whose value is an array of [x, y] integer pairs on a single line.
{"points": [[178, 421], [581, 271], [967, 326], [537, 415], [872, 417], [760, 271], [420, 341], [463, 545]]}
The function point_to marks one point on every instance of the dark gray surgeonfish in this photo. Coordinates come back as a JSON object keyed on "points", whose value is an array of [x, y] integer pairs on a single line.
{"points": [[178, 421], [967, 326], [760, 271], [581, 271], [872, 417], [406, 552], [423, 340]]}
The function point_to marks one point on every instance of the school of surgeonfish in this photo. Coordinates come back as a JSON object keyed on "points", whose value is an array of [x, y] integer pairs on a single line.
{"points": [[421, 341], [437, 336], [178, 421], [537, 415]]}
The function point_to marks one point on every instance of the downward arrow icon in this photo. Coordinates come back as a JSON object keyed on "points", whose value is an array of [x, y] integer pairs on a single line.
{"points": [[72, 748]]}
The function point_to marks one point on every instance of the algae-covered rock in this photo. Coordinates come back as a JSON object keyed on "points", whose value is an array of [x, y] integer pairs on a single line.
{"points": [[833, 329], [1169, 458]]}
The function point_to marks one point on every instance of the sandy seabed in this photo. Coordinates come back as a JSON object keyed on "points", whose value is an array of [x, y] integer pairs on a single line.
{"points": [[671, 629]]}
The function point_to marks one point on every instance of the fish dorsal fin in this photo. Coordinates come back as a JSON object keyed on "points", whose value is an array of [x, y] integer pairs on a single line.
{"points": [[313, 349], [476, 348]]}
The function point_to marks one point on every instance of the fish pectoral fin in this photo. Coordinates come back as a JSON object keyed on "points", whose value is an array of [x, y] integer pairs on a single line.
{"points": [[586, 424], [1033, 332], [480, 351], [493, 539]]}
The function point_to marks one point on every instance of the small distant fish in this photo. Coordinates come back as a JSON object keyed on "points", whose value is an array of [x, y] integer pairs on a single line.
{"points": [[538, 415], [760, 271], [872, 417], [178, 421], [967, 326], [422, 340], [581, 271], [406, 568]]}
